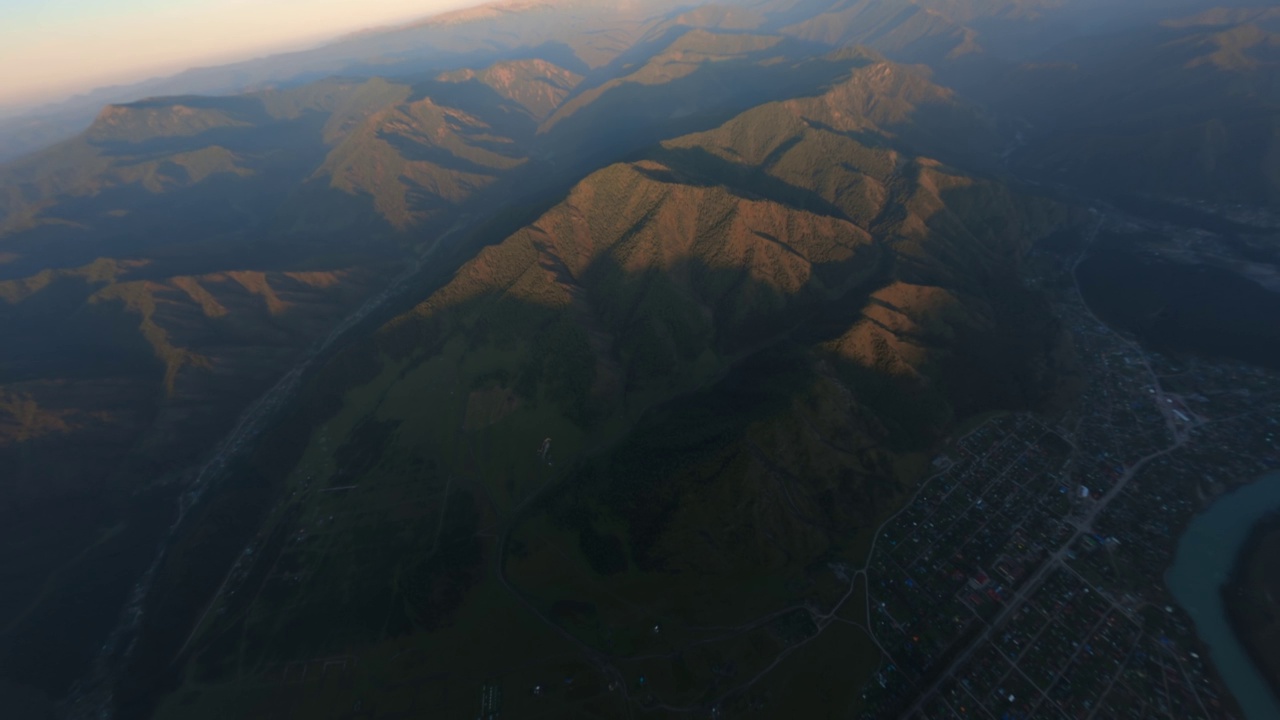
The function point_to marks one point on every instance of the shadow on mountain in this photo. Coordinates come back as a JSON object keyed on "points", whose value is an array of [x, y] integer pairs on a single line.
{"points": [[242, 107], [1103, 113], [225, 221], [699, 168], [415, 151], [73, 549], [646, 328], [555, 52], [53, 336], [728, 372], [1181, 309], [632, 58], [269, 136], [177, 228], [637, 115], [503, 116]]}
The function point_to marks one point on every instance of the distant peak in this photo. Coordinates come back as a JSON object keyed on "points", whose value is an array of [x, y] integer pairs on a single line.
{"points": [[1223, 17], [146, 119], [489, 10], [724, 17], [535, 84]]}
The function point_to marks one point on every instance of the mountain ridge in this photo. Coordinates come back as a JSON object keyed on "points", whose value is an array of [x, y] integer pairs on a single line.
{"points": [[649, 292], [601, 326]]}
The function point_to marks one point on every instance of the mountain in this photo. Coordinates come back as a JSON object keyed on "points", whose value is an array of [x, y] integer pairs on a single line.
{"points": [[720, 360], [941, 31], [163, 270], [564, 345], [589, 36], [536, 86], [1186, 109], [1175, 100], [576, 34], [695, 79]]}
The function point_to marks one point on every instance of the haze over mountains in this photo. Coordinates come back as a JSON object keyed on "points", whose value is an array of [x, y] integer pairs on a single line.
{"points": [[745, 264]]}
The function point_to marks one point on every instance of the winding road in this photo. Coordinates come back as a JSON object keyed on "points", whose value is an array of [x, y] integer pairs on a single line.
{"points": [[93, 693]]}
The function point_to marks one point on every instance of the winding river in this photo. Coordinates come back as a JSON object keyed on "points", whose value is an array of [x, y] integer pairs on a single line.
{"points": [[1206, 554]]}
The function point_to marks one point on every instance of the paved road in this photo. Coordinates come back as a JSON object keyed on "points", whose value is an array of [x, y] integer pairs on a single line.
{"points": [[92, 697], [1083, 527]]}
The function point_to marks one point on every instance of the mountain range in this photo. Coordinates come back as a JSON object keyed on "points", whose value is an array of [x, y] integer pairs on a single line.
{"points": [[563, 308]]}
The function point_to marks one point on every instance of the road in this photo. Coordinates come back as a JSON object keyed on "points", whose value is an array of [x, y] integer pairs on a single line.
{"points": [[93, 693], [1085, 524], [256, 419], [1037, 578]]}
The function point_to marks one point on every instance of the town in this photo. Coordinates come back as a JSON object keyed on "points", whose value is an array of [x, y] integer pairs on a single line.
{"points": [[1026, 577]]}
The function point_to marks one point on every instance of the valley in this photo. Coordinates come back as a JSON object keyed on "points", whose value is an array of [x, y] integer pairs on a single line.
{"points": [[564, 359], [586, 327]]}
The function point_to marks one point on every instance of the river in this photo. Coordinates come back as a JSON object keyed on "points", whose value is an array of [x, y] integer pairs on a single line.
{"points": [[1206, 555]]}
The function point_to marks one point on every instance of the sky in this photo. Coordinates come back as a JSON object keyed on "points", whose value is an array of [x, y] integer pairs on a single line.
{"points": [[51, 49]]}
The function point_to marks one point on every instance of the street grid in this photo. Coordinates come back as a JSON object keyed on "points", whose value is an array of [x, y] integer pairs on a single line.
{"points": [[1025, 580]]}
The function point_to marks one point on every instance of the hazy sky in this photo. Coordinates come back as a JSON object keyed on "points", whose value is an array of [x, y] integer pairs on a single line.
{"points": [[52, 48]]}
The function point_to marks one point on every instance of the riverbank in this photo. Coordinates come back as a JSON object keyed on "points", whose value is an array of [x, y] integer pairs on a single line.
{"points": [[1251, 598], [1206, 556]]}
